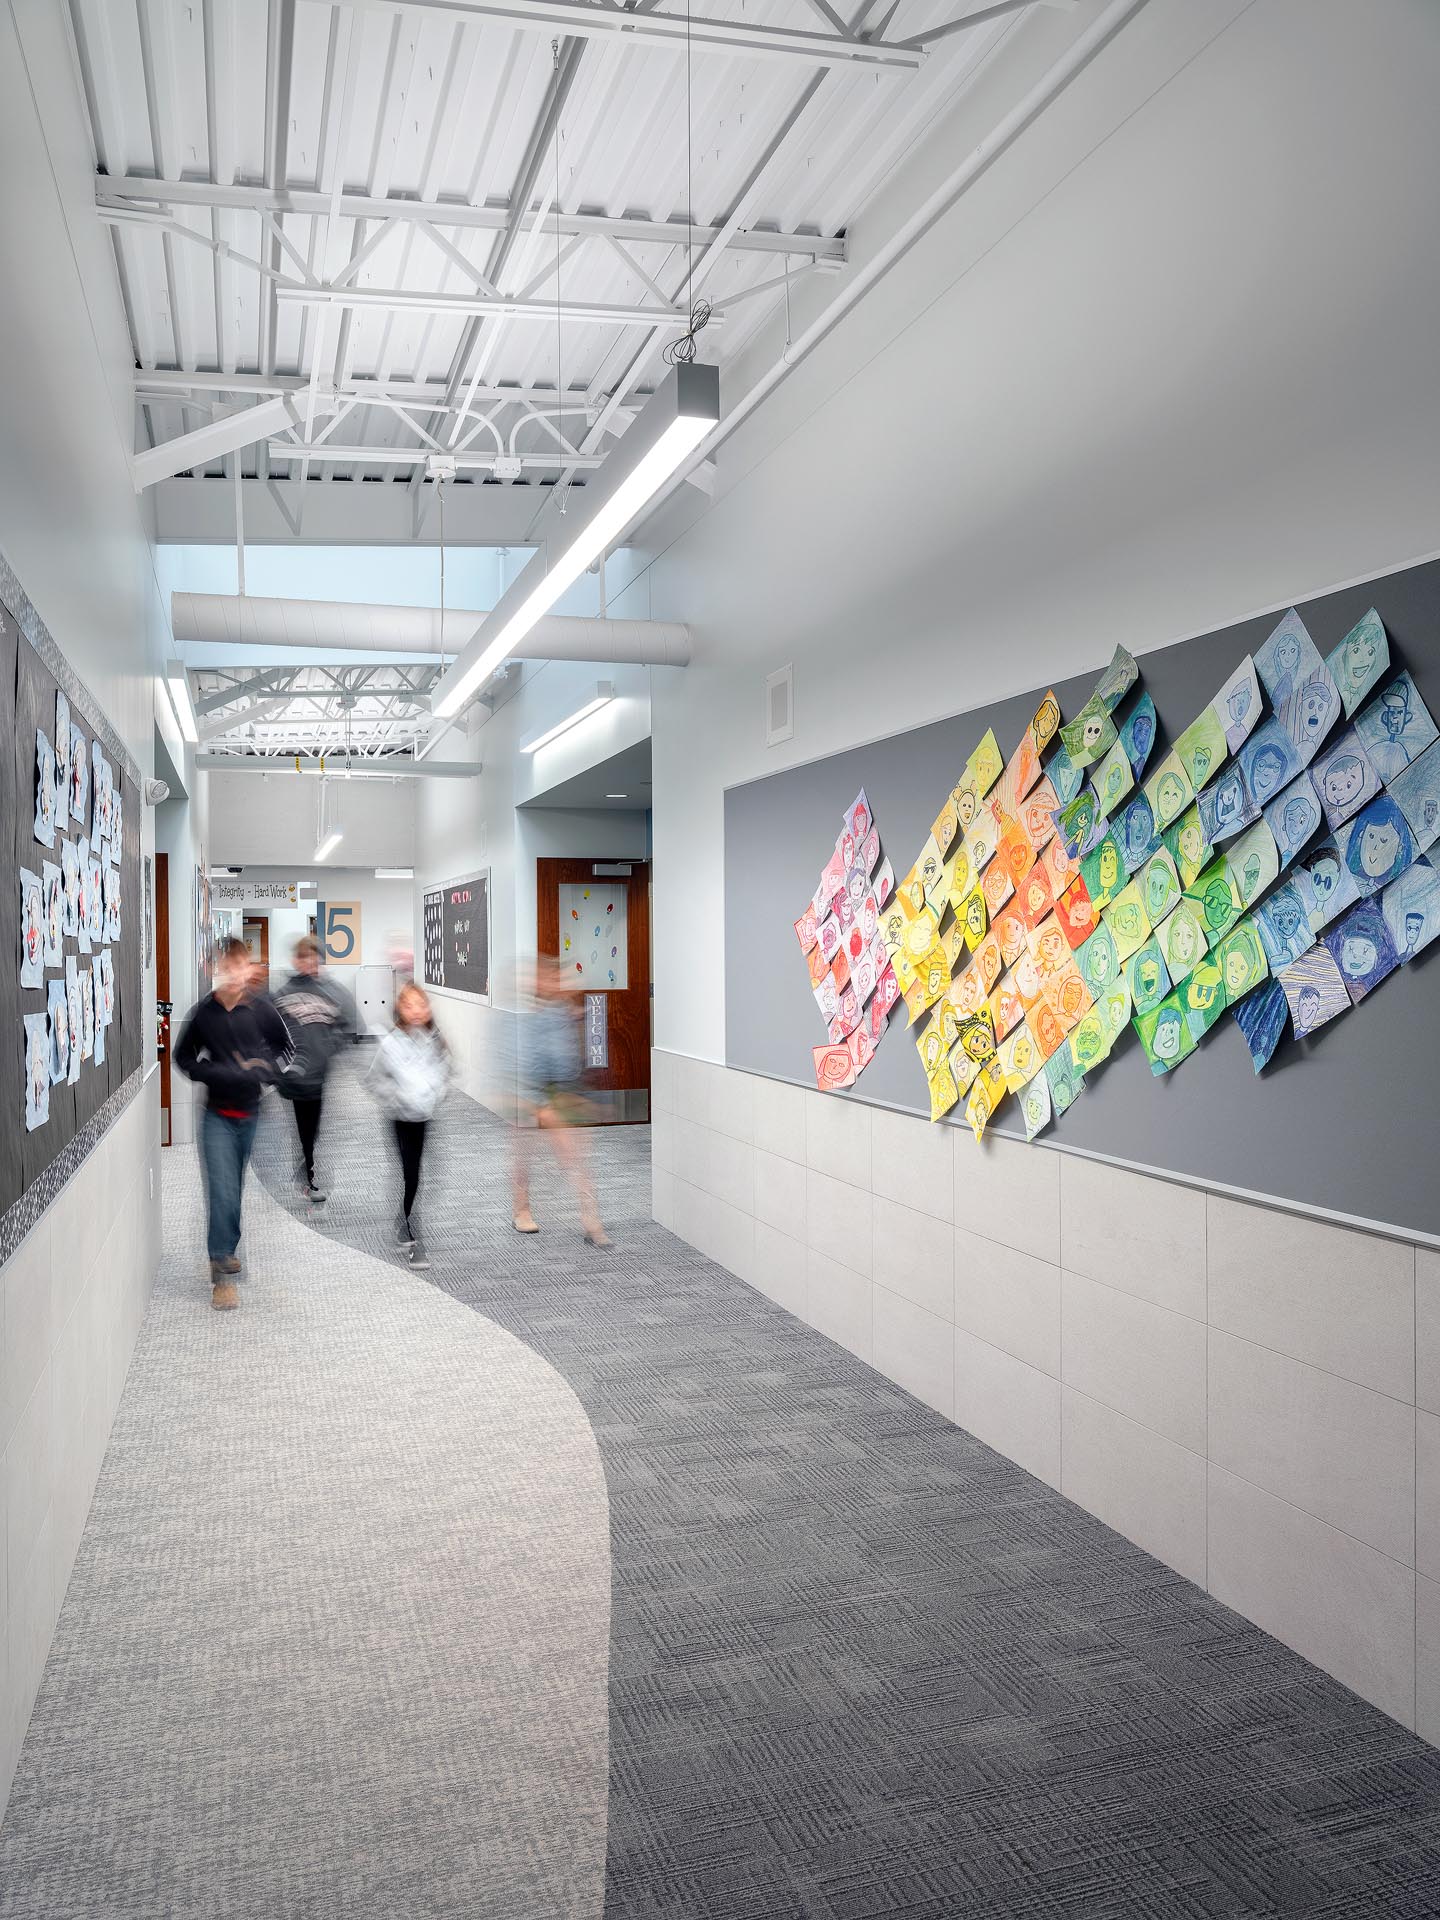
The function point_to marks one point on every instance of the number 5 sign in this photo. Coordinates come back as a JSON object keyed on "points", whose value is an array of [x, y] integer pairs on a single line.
{"points": [[337, 928]]}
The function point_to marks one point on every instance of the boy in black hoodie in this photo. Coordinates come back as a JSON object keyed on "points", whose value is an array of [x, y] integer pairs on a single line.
{"points": [[320, 1017], [232, 1044]]}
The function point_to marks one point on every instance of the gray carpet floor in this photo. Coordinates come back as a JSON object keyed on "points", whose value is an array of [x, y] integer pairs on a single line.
{"points": [[861, 1665], [336, 1640]]}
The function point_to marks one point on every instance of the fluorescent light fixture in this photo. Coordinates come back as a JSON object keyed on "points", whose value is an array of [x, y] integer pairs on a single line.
{"points": [[179, 690], [617, 796], [224, 873], [674, 420], [328, 845], [604, 694], [394, 873]]}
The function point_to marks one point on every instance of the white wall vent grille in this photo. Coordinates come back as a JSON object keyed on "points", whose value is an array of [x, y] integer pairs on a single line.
{"points": [[780, 706]]}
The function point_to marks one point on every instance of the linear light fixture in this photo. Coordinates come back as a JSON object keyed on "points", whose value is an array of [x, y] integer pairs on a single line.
{"points": [[672, 423], [604, 694], [394, 873], [328, 845], [179, 689]]}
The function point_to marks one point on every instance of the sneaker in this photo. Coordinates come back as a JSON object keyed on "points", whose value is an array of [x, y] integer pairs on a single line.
{"points": [[404, 1232], [415, 1253], [224, 1296], [317, 1196]]}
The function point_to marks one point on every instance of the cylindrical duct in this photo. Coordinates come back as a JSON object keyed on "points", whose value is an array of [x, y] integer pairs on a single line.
{"points": [[232, 619]]}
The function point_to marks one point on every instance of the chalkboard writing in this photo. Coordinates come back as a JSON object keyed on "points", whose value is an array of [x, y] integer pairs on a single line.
{"points": [[456, 932]]}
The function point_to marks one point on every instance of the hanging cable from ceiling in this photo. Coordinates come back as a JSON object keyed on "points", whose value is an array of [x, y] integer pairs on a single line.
{"points": [[559, 350], [681, 351]]}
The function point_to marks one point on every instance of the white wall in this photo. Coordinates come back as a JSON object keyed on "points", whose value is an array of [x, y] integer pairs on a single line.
{"points": [[1169, 362], [272, 819], [387, 914], [72, 1298], [464, 825]]}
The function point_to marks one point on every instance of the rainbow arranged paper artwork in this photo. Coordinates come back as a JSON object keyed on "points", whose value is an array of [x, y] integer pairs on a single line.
{"points": [[851, 976]]}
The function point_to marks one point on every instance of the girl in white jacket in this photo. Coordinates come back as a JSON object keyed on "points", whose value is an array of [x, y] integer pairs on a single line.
{"points": [[409, 1076]]}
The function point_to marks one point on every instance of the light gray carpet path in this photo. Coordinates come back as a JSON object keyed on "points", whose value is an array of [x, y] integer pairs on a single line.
{"points": [[336, 1641]]}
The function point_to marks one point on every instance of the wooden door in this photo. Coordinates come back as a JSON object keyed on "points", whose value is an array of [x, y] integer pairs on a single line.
{"points": [[625, 1077], [161, 908]]}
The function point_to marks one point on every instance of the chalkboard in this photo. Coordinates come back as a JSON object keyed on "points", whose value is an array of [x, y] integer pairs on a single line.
{"points": [[1338, 1124], [456, 935], [32, 674]]}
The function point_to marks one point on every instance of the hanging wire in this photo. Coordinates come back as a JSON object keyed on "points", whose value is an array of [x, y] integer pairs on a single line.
{"points": [[681, 351]]}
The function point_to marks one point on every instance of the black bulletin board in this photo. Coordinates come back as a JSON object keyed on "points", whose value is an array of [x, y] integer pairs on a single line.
{"points": [[1341, 1124], [28, 686], [456, 935]]}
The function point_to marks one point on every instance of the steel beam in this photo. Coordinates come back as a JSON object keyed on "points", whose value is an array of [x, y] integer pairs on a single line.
{"points": [[416, 300], [603, 20], [408, 456], [121, 193]]}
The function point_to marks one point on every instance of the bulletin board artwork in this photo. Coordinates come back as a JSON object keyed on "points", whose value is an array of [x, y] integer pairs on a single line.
{"points": [[71, 996], [455, 929], [1221, 924]]}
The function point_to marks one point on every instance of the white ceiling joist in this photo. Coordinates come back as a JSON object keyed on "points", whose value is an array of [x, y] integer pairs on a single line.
{"points": [[196, 449], [602, 20], [498, 306], [130, 192]]}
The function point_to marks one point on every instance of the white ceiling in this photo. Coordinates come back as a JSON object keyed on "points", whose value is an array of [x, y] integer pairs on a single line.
{"points": [[258, 158]]}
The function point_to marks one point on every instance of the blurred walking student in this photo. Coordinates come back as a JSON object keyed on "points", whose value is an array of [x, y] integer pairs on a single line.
{"points": [[409, 1076], [551, 1095], [232, 1043], [320, 1018]]}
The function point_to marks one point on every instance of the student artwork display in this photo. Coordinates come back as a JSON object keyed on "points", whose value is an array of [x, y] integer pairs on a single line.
{"points": [[75, 897], [851, 975], [1275, 863]]}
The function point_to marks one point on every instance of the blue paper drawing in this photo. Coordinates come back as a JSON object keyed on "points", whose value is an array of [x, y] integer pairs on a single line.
{"points": [[1112, 778], [1326, 882], [1135, 831], [1396, 728], [1411, 906], [1287, 658], [1269, 759], [1315, 991], [1252, 862], [1138, 734], [1310, 712], [1361, 947], [1117, 679], [1377, 844], [1227, 806], [1293, 815], [1283, 919], [1065, 1080], [1238, 704], [1261, 1017], [1416, 792], [1066, 778], [1344, 778], [1361, 660]]}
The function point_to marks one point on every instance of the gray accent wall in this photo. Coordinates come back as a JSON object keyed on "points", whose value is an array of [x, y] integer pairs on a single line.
{"points": [[1331, 1124], [1253, 1399]]}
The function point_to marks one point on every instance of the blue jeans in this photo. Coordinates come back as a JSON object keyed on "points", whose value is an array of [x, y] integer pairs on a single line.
{"points": [[225, 1149]]}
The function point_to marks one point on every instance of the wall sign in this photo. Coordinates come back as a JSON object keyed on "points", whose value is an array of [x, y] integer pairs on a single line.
{"points": [[253, 893], [456, 928], [337, 928], [597, 1030]]}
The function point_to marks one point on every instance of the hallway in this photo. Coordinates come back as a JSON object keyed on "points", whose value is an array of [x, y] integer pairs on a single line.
{"points": [[337, 1640]]}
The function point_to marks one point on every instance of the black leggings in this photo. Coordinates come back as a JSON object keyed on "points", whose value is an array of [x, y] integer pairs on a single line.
{"points": [[307, 1125], [410, 1139]]}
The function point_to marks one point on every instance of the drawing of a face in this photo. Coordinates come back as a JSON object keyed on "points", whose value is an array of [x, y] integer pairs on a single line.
{"points": [[1093, 730], [54, 916], [1268, 771], [1250, 876], [1127, 920], [1157, 890], [1047, 719], [965, 805], [1287, 653], [1168, 1033], [34, 932], [1109, 866], [1089, 1040], [1344, 778], [1082, 914], [1114, 775], [1184, 941], [1395, 709], [1147, 979], [1238, 704], [1227, 803], [1142, 732], [1359, 657], [1192, 844], [1316, 708], [1218, 904], [1170, 796], [1380, 848], [1200, 760], [975, 919], [1099, 963], [1237, 971], [1307, 1009], [1295, 821], [1429, 814], [1358, 955], [1414, 927], [1325, 877], [1037, 898], [1285, 917], [39, 1076]]}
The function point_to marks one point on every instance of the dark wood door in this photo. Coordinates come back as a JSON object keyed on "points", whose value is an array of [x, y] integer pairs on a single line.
{"points": [[627, 1008], [161, 909]]}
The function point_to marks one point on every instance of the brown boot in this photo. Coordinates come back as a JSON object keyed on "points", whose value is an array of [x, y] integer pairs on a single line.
{"points": [[224, 1294]]}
